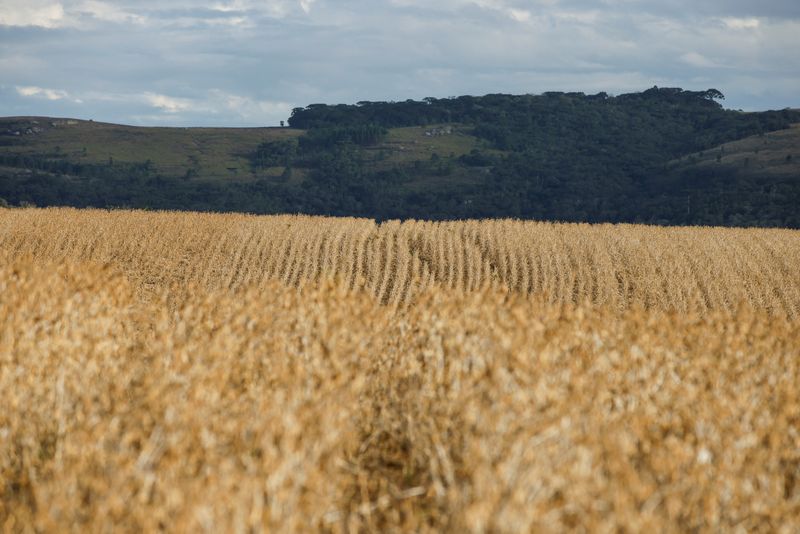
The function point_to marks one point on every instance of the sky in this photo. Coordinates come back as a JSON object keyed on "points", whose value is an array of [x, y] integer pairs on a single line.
{"points": [[249, 62]]}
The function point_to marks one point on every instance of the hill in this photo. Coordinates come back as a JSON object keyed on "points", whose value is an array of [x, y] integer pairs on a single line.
{"points": [[205, 153], [640, 157], [774, 154]]}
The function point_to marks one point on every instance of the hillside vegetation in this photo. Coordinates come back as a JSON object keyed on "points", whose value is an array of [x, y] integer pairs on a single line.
{"points": [[81, 146], [772, 154], [184, 372], [658, 157]]}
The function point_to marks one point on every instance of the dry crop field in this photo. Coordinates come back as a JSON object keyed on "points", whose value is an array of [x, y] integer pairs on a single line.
{"points": [[189, 372], [619, 266]]}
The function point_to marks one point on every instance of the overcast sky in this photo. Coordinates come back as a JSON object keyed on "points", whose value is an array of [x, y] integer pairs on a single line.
{"points": [[249, 62]]}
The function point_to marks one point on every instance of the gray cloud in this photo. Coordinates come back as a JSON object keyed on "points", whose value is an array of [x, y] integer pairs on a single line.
{"points": [[248, 62]]}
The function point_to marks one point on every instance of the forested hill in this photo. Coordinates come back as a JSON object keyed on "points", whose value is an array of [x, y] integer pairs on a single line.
{"points": [[664, 156]]}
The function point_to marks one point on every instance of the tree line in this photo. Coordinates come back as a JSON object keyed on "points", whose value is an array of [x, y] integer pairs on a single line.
{"points": [[554, 156]]}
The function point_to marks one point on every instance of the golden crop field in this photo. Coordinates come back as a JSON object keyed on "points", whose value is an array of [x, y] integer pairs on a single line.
{"points": [[188, 372], [613, 265]]}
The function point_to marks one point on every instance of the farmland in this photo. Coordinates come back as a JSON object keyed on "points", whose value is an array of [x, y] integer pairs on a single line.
{"points": [[683, 269], [185, 371]]}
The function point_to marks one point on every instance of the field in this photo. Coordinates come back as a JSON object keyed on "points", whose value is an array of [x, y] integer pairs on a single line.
{"points": [[179, 371]]}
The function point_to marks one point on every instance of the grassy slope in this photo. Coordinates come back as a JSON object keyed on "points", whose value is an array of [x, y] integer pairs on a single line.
{"points": [[214, 153], [405, 146], [410, 144], [759, 154]]}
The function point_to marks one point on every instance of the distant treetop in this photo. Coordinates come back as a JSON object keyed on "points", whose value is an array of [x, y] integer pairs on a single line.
{"points": [[471, 109]]}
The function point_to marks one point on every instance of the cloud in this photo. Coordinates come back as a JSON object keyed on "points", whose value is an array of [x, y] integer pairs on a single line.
{"points": [[67, 13], [270, 8], [212, 103], [247, 107], [520, 15], [44, 14], [248, 62], [167, 104], [41, 92], [734, 23], [695, 59], [104, 11], [516, 11], [305, 5]]}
